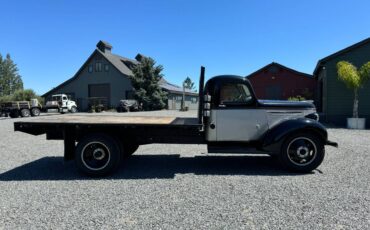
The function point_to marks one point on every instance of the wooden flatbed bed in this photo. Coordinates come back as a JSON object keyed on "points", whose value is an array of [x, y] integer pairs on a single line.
{"points": [[130, 129], [147, 128], [111, 119]]}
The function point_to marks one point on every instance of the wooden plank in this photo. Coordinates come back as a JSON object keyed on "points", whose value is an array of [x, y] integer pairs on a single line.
{"points": [[102, 119]]}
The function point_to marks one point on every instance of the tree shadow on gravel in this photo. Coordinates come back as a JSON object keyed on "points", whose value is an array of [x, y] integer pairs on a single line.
{"points": [[151, 167]]}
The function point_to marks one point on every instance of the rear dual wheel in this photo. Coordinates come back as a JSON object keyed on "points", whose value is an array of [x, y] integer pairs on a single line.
{"points": [[98, 155], [25, 113], [14, 114]]}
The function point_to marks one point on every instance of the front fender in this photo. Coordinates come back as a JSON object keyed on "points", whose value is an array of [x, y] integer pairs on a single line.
{"points": [[275, 137], [71, 104]]}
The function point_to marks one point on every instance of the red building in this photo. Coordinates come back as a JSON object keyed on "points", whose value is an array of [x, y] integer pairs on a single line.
{"points": [[278, 82]]}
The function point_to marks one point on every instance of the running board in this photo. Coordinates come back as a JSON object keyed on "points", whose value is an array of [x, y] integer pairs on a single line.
{"points": [[233, 149]]}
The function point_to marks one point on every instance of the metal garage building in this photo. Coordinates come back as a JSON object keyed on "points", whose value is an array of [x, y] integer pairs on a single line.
{"points": [[333, 99]]}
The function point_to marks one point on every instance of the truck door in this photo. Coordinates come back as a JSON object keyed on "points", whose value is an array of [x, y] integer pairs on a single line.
{"points": [[237, 116], [64, 101]]}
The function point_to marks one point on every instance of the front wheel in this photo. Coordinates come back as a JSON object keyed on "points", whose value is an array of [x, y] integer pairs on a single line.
{"points": [[97, 155], [302, 152], [74, 109]]}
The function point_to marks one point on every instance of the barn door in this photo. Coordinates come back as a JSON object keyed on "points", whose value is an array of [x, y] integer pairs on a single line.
{"points": [[273, 92], [99, 94]]}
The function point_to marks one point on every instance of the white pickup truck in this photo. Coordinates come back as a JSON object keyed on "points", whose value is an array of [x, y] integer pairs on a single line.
{"points": [[62, 103]]}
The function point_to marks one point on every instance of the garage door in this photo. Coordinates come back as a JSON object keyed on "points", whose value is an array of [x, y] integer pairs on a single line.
{"points": [[99, 94]]}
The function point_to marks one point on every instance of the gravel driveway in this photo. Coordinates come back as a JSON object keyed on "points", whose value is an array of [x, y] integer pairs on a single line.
{"points": [[181, 187]]}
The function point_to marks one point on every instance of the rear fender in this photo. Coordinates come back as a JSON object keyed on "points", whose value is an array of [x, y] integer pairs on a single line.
{"points": [[275, 137]]}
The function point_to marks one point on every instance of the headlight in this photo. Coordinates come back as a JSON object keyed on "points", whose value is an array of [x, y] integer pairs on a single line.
{"points": [[313, 116]]}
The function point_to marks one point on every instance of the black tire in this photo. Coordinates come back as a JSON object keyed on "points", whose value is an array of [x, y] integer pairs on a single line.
{"points": [[302, 152], [98, 155], [14, 114], [25, 113], [123, 109], [35, 112], [74, 109], [129, 149]]}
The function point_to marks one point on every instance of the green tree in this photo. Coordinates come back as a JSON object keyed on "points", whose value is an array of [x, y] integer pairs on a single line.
{"points": [[22, 95], [354, 79], [10, 80], [146, 84], [189, 84]]}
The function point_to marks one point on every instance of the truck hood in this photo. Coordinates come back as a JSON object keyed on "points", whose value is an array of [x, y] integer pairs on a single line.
{"points": [[286, 104]]}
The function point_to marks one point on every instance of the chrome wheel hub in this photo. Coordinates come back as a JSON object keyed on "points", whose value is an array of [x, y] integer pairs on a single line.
{"points": [[302, 152], [99, 154], [95, 155]]}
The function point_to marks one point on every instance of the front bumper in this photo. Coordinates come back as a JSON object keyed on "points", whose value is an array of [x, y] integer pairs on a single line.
{"points": [[332, 143]]}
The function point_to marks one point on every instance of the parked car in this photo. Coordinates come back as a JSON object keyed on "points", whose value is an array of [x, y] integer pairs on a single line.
{"points": [[128, 106]]}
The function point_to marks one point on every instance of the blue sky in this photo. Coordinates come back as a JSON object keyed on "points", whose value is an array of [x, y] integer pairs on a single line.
{"points": [[50, 40]]}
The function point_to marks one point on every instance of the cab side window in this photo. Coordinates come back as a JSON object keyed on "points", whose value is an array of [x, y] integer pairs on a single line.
{"points": [[235, 94]]}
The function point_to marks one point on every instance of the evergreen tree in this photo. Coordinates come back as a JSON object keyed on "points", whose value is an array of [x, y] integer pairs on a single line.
{"points": [[146, 84], [10, 80], [189, 84]]}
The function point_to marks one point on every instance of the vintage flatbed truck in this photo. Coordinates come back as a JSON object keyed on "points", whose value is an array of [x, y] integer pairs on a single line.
{"points": [[230, 120]]}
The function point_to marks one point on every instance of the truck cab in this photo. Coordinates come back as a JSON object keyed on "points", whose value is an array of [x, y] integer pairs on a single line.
{"points": [[235, 121], [235, 114]]}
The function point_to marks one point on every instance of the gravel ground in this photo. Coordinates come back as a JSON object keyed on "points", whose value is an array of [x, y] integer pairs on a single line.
{"points": [[181, 187]]}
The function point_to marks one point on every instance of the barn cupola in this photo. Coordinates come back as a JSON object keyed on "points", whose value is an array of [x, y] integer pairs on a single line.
{"points": [[104, 47], [139, 57]]}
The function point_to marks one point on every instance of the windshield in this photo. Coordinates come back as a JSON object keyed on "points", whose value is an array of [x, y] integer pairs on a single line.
{"points": [[56, 98]]}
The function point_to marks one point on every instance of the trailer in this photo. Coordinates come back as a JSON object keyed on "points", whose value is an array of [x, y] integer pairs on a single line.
{"points": [[15, 109], [230, 120]]}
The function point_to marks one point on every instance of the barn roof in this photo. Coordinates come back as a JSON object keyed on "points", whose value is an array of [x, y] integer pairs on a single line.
{"points": [[124, 65], [340, 52], [281, 66]]}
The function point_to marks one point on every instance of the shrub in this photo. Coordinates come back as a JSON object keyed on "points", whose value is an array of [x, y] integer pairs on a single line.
{"points": [[297, 98], [22, 95]]}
